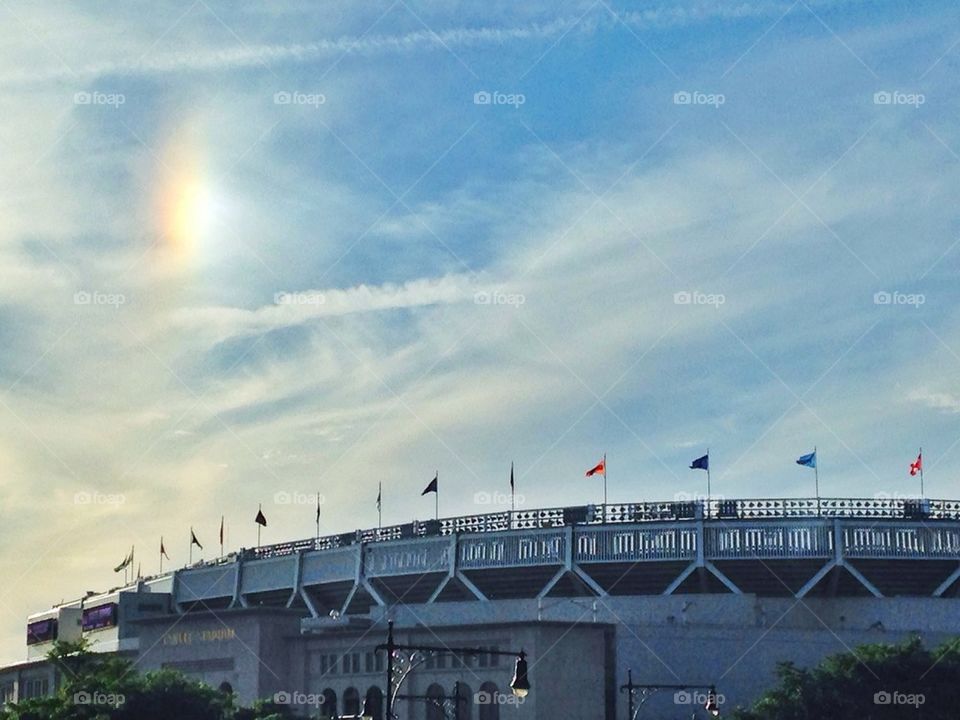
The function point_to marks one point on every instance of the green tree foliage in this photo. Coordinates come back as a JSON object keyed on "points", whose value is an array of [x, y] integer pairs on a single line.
{"points": [[96, 686], [873, 682]]}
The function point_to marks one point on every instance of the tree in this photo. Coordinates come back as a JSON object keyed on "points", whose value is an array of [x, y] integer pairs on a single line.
{"points": [[99, 686], [873, 682]]}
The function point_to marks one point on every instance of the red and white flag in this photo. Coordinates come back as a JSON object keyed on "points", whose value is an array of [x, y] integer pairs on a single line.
{"points": [[600, 467], [917, 465]]}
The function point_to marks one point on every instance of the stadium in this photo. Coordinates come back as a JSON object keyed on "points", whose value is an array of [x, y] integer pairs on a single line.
{"points": [[693, 594]]}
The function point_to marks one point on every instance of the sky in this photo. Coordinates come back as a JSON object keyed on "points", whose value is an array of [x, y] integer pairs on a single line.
{"points": [[254, 252]]}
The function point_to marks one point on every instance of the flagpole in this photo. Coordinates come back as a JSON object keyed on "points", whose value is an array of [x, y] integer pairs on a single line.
{"points": [[436, 497], [604, 487], [816, 475], [191, 545], [379, 505], [161, 555], [920, 455], [513, 498], [708, 482], [318, 514]]}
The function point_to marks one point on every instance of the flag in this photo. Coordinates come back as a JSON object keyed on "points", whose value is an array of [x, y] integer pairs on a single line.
{"points": [[379, 496], [221, 532], [600, 467], [432, 487], [193, 537], [138, 571], [808, 460], [511, 478], [163, 550], [127, 562], [261, 518], [917, 465], [701, 463], [318, 507]]}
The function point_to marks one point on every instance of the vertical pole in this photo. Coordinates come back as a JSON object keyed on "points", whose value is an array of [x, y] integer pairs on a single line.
{"points": [[436, 497], [816, 476], [513, 500], [921, 472], [191, 546], [389, 715], [708, 482], [380, 505], [604, 487], [630, 693], [318, 514]]}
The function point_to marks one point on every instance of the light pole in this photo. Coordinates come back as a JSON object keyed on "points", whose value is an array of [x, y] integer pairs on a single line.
{"points": [[411, 656], [646, 690]]}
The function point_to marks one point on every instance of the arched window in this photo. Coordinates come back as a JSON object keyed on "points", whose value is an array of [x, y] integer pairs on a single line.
{"points": [[464, 699], [351, 701], [329, 707], [488, 702], [434, 703], [374, 703]]}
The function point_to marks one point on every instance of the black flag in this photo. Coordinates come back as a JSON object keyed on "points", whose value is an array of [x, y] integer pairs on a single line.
{"points": [[193, 539], [432, 487], [260, 519], [511, 477], [379, 497], [163, 550]]}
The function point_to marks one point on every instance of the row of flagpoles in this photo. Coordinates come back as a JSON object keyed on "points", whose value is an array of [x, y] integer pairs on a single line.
{"points": [[701, 463]]}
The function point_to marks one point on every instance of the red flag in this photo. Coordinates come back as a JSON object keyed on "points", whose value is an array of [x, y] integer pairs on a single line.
{"points": [[600, 467], [917, 465]]}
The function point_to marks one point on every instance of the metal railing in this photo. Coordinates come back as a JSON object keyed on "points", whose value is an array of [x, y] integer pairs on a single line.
{"points": [[718, 510]]}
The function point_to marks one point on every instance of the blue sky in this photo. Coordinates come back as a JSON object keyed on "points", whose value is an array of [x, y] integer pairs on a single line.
{"points": [[282, 297]]}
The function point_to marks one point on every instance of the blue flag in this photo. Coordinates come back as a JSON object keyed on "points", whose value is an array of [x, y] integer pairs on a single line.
{"points": [[808, 460], [701, 463]]}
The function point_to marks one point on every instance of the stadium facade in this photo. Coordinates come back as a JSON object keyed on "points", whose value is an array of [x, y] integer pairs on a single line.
{"points": [[682, 593]]}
